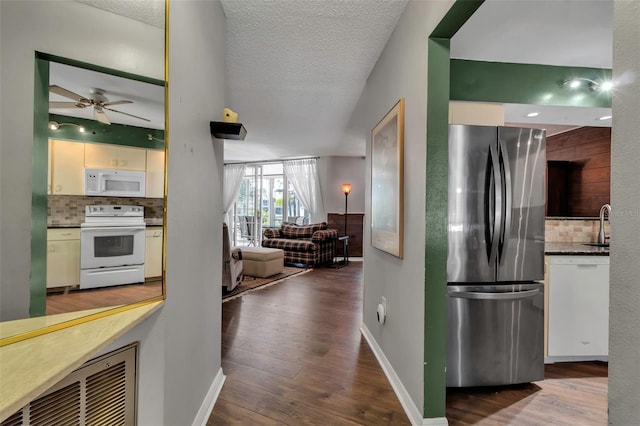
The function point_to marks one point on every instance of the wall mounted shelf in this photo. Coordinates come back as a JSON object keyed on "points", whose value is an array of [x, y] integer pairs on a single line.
{"points": [[224, 130]]}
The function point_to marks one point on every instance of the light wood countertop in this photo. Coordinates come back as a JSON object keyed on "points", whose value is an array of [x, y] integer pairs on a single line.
{"points": [[30, 367]]}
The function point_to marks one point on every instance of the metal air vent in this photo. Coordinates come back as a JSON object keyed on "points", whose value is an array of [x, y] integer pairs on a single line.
{"points": [[102, 393]]}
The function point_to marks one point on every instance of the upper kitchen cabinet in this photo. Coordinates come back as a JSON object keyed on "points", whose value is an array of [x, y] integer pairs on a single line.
{"points": [[106, 156], [66, 169], [155, 173]]}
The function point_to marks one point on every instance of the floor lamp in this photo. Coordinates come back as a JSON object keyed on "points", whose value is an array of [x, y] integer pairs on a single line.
{"points": [[346, 188]]}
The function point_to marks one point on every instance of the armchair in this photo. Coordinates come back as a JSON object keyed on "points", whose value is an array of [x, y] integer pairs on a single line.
{"points": [[231, 261]]}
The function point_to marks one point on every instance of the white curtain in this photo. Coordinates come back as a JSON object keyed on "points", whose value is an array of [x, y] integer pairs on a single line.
{"points": [[233, 175], [303, 175]]}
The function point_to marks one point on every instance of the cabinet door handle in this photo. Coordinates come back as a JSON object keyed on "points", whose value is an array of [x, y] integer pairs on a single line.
{"points": [[114, 163], [52, 248], [58, 188]]}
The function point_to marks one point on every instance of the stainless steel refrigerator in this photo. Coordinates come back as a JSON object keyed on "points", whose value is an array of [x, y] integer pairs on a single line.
{"points": [[495, 306]]}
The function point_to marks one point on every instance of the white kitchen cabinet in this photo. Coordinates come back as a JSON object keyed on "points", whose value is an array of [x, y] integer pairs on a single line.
{"points": [[66, 168], [63, 257], [153, 252], [107, 156], [579, 306], [155, 173]]}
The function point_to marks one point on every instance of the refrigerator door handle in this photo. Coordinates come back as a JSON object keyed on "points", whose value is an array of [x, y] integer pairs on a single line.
{"points": [[493, 204], [514, 295], [505, 169]]}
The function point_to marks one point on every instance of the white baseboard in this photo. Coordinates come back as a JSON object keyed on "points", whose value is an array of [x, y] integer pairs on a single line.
{"points": [[210, 400], [414, 414]]}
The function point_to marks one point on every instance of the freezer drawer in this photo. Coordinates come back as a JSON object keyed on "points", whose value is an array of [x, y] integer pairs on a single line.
{"points": [[495, 334]]}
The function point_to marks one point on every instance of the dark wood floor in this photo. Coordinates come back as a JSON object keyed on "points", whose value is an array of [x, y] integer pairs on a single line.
{"points": [[293, 355]]}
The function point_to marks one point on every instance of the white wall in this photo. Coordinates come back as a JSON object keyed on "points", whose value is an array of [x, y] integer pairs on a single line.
{"points": [[194, 207], [180, 345], [624, 322], [401, 281], [334, 171], [66, 29]]}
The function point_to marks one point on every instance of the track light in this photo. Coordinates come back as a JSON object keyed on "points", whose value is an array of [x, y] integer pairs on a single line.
{"points": [[592, 85], [54, 125], [153, 138]]}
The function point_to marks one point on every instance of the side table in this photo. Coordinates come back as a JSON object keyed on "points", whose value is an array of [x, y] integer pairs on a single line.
{"points": [[345, 249]]}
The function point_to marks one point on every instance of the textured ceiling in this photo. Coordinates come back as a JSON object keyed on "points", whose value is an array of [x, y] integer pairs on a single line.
{"points": [[148, 11], [295, 71]]}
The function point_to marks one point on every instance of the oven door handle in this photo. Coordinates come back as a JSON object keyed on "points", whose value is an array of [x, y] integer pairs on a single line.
{"points": [[115, 228]]}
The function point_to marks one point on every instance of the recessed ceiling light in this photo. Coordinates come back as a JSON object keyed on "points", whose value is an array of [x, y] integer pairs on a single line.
{"points": [[533, 114], [606, 117]]}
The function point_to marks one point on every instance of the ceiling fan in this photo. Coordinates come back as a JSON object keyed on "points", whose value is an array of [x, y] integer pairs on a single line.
{"points": [[97, 99]]}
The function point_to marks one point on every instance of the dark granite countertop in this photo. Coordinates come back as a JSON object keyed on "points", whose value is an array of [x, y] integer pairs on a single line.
{"points": [[579, 249]]}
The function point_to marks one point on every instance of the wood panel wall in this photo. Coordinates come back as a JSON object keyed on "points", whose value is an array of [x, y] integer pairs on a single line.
{"points": [[355, 224], [589, 178]]}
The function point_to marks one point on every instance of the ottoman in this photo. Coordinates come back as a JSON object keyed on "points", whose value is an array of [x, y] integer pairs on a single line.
{"points": [[262, 261]]}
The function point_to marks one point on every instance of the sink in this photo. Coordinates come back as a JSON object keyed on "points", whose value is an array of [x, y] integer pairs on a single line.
{"points": [[597, 244]]}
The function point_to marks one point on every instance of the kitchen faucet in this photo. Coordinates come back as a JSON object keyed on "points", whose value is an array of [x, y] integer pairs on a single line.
{"points": [[601, 236]]}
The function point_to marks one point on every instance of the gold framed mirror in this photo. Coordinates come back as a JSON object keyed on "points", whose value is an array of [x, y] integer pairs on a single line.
{"points": [[68, 53]]}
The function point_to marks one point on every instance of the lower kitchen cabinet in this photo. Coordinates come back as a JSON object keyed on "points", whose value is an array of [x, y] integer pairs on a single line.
{"points": [[579, 306], [153, 252], [63, 257]]}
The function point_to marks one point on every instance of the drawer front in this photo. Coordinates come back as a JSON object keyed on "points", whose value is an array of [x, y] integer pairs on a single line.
{"points": [[58, 234]]}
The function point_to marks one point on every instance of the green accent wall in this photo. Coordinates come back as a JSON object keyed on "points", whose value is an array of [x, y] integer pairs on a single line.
{"points": [[117, 134], [98, 68], [436, 220], [525, 84], [40, 169], [455, 18], [436, 228]]}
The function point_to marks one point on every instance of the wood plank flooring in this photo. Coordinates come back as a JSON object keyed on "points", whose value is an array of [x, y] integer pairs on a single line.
{"points": [[79, 300], [293, 355], [573, 393]]}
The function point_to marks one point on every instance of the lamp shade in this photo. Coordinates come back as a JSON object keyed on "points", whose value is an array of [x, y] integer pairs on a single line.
{"points": [[346, 188]]}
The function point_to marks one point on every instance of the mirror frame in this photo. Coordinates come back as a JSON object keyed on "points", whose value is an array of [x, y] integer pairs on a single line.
{"points": [[39, 189]]}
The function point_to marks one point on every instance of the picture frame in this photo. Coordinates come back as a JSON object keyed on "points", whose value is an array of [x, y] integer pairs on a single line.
{"points": [[387, 182]]}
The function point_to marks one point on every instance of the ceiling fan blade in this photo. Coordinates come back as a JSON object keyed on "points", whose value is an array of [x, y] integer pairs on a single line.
{"points": [[130, 115], [66, 105], [101, 116], [117, 103], [67, 93]]}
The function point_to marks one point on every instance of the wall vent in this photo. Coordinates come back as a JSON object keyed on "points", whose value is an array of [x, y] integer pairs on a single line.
{"points": [[101, 392]]}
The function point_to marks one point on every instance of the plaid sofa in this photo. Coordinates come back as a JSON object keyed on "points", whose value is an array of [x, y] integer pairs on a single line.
{"points": [[308, 244]]}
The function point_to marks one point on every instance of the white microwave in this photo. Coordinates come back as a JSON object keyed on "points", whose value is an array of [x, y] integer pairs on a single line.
{"points": [[114, 183]]}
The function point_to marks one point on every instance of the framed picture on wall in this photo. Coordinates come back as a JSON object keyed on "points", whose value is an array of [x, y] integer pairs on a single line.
{"points": [[387, 181]]}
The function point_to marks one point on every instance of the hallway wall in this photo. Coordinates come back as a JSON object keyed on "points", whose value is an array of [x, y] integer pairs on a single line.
{"points": [[401, 281], [624, 311]]}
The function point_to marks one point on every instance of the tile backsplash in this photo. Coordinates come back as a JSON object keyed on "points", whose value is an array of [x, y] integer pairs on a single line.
{"points": [[574, 230], [68, 210]]}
